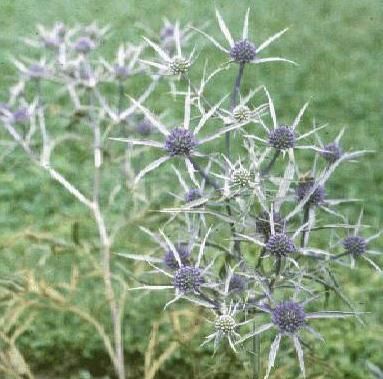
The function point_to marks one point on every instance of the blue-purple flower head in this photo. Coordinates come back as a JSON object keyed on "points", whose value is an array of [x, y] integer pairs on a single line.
{"points": [[305, 186], [167, 32], [332, 152], [262, 223], [144, 127], [282, 138], [36, 71], [280, 245], [237, 283], [180, 141], [184, 254], [121, 72], [192, 195], [243, 51], [188, 279], [51, 42], [355, 245], [21, 115], [289, 317], [84, 45]]}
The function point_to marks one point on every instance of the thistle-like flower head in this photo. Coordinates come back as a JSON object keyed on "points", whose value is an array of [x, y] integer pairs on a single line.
{"points": [[289, 317], [192, 195], [282, 138], [167, 31], [241, 177], [171, 63], [144, 127], [51, 38], [180, 141], [20, 115], [280, 245], [121, 72], [243, 51], [188, 279], [332, 152], [237, 283], [225, 324], [84, 45], [36, 71], [179, 65], [242, 113], [305, 186], [355, 245]]}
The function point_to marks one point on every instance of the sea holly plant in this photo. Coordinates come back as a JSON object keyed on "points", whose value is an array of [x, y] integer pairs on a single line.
{"points": [[60, 101], [261, 256], [241, 242]]}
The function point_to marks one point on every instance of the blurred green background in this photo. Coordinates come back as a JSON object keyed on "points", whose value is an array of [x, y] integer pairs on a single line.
{"points": [[338, 45]]}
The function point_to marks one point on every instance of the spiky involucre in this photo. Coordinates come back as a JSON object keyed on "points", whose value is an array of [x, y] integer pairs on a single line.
{"points": [[280, 245], [282, 138], [180, 141], [355, 245], [289, 317], [243, 51], [188, 279]]}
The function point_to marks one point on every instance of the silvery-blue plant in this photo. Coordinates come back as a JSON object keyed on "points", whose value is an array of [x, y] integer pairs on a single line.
{"points": [[258, 202], [237, 241]]}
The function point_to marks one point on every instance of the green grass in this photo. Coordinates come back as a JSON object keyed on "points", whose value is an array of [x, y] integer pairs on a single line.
{"points": [[338, 47]]}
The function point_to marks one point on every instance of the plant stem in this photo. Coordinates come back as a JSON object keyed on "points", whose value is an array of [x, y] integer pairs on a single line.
{"points": [[268, 168], [257, 355], [208, 179], [234, 102], [93, 206], [120, 97], [260, 258], [214, 184], [306, 213], [105, 243]]}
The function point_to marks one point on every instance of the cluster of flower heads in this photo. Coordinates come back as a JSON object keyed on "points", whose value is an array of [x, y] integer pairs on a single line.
{"points": [[244, 223], [268, 216]]}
